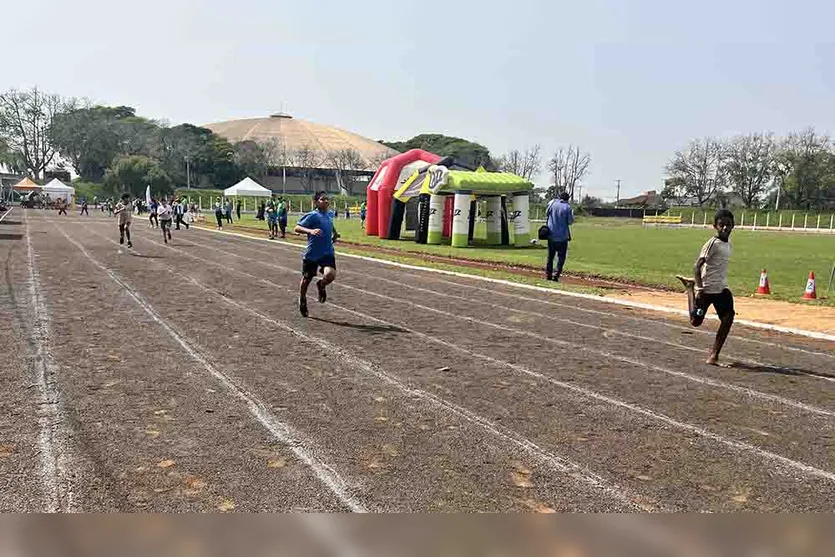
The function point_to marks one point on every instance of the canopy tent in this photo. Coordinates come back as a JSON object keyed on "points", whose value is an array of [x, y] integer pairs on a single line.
{"points": [[26, 186], [57, 189], [247, 187]]}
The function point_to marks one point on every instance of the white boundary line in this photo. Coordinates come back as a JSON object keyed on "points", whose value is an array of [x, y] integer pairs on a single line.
{"points": [[570, 469], [6, 214], [279, 430], [606, 330], [753, 393], [624, 316], [740, 446], [58, 490], [552, 291]]}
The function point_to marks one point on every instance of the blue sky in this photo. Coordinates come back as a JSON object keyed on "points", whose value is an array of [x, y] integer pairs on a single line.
{"points": [[628, 81]]}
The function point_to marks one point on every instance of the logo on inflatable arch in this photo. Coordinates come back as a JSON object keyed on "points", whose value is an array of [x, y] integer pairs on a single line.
{"points": [[438, 178], [514, 215]]}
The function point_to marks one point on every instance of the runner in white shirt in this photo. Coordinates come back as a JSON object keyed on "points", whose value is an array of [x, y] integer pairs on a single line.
{"points": [[709, 286], [164, 213]]}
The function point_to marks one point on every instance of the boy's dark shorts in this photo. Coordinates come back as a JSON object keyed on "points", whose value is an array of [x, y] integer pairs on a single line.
{"points": [[723, 302], [311, 267]]}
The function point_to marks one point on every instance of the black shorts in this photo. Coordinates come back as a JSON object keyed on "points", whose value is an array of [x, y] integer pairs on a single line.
{"points": [[311, 267], [723, 302]]}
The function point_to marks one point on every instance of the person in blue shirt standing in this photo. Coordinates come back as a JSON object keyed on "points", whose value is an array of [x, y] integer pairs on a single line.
{"points": [[559, 218], [319, 255]]}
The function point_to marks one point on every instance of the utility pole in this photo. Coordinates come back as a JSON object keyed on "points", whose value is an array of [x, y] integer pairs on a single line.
{"points": [[617, 199], [188, 174]]}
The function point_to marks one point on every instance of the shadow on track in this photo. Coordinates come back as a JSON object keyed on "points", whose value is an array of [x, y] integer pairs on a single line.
{"points": [[367, 328], [11, 236], [779, 370]]}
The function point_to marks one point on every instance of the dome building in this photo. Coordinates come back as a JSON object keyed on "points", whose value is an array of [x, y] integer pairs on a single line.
{"points": [[307, 156]]}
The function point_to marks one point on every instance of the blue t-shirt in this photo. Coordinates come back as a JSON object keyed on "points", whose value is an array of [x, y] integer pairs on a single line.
{"points": [[560, 217], [318, 246]]}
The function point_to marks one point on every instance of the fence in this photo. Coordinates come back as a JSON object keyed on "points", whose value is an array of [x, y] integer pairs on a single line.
{"points": [[788, 221]]}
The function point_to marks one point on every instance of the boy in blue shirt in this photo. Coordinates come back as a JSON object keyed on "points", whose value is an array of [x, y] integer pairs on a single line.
{"points": [[319, 255]]}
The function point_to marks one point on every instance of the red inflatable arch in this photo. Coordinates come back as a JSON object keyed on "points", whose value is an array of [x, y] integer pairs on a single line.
{"points": [[381, 188]]}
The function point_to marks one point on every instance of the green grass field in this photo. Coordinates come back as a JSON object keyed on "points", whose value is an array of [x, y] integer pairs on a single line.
{"points": [[622, 249]]}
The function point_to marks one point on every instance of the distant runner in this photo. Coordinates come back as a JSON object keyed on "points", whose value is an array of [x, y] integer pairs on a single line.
{"points": [[282, 217], [709, 287], [125, 216], [272, 218], [319, 255], [84, 209], [165, 214]]}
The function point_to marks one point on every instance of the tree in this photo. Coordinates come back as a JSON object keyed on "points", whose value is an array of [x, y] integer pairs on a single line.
{"points": [[750, 166], [134, 173], [25, 122], [306, 159], [526, 164], [90, 138], [465, 152], [344, 163], [252, 158], [700, 169], [806, 170], [568, 167]]}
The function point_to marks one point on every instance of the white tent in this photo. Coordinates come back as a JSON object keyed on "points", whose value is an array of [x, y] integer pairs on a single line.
{"points": [[56, 188], [247, 187]]}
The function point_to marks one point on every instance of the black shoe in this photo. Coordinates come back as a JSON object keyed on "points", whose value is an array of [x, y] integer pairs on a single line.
{"points": [[323, 294], [130, 246], [121, 241], [303, 307]]}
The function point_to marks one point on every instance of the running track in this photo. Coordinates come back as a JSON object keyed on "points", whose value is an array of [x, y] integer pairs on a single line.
{"points": [[181, 378]]}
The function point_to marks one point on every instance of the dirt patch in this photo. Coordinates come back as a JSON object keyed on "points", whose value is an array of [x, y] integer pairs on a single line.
{"points": [[785, 314]]}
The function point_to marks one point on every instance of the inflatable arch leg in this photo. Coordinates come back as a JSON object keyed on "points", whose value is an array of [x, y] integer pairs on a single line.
{"points": [[436, 219], [494, 221], [461, 220], [521, 219]]}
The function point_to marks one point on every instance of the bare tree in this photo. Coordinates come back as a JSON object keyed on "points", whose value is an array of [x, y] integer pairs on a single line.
{"points": [[377, 159], [568, 167], [306, 159], [751, 166], [525, 163], [344, 163], [25, 122], [700, 169]]}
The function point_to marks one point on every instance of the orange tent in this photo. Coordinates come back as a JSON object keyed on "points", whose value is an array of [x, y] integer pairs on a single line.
{"points": [[26, 185]]}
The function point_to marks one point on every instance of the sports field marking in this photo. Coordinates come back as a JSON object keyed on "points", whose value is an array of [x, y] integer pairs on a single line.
{"points": [[6, 214], [602, 353], [280, 431], [52, 437], [553, 291], [482, 302], [739, 446], [578, 472]]}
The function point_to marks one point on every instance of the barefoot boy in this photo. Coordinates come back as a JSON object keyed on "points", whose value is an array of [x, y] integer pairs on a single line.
{"points": [[709, 287]]}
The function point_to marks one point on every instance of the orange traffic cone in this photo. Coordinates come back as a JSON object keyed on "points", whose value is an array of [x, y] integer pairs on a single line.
{"points": [[811, 292], [764, 288]]}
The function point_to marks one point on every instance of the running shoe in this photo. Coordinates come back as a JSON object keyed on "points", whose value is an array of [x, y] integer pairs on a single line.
{"points": [[323, 294], [303, 307]]}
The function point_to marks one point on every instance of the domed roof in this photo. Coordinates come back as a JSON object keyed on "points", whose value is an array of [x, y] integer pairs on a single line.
{"points": [[294, 134]]}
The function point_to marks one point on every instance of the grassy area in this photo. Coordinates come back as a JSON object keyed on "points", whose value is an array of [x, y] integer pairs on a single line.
{"points": [[621, 249]]}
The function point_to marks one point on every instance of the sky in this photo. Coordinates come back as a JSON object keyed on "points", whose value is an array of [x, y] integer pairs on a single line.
{"points": [[628, 81]]}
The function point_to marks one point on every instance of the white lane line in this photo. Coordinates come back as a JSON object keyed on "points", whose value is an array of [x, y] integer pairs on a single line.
{"points": [[739, 446], [481, 302], [577, 472], [550, 291], [753, 393], [279, 430], [6, 214], [52, 437], [296, 248]]}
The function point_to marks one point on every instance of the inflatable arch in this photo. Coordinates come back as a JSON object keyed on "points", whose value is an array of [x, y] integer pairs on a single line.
{"points": [[447, 195]]}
